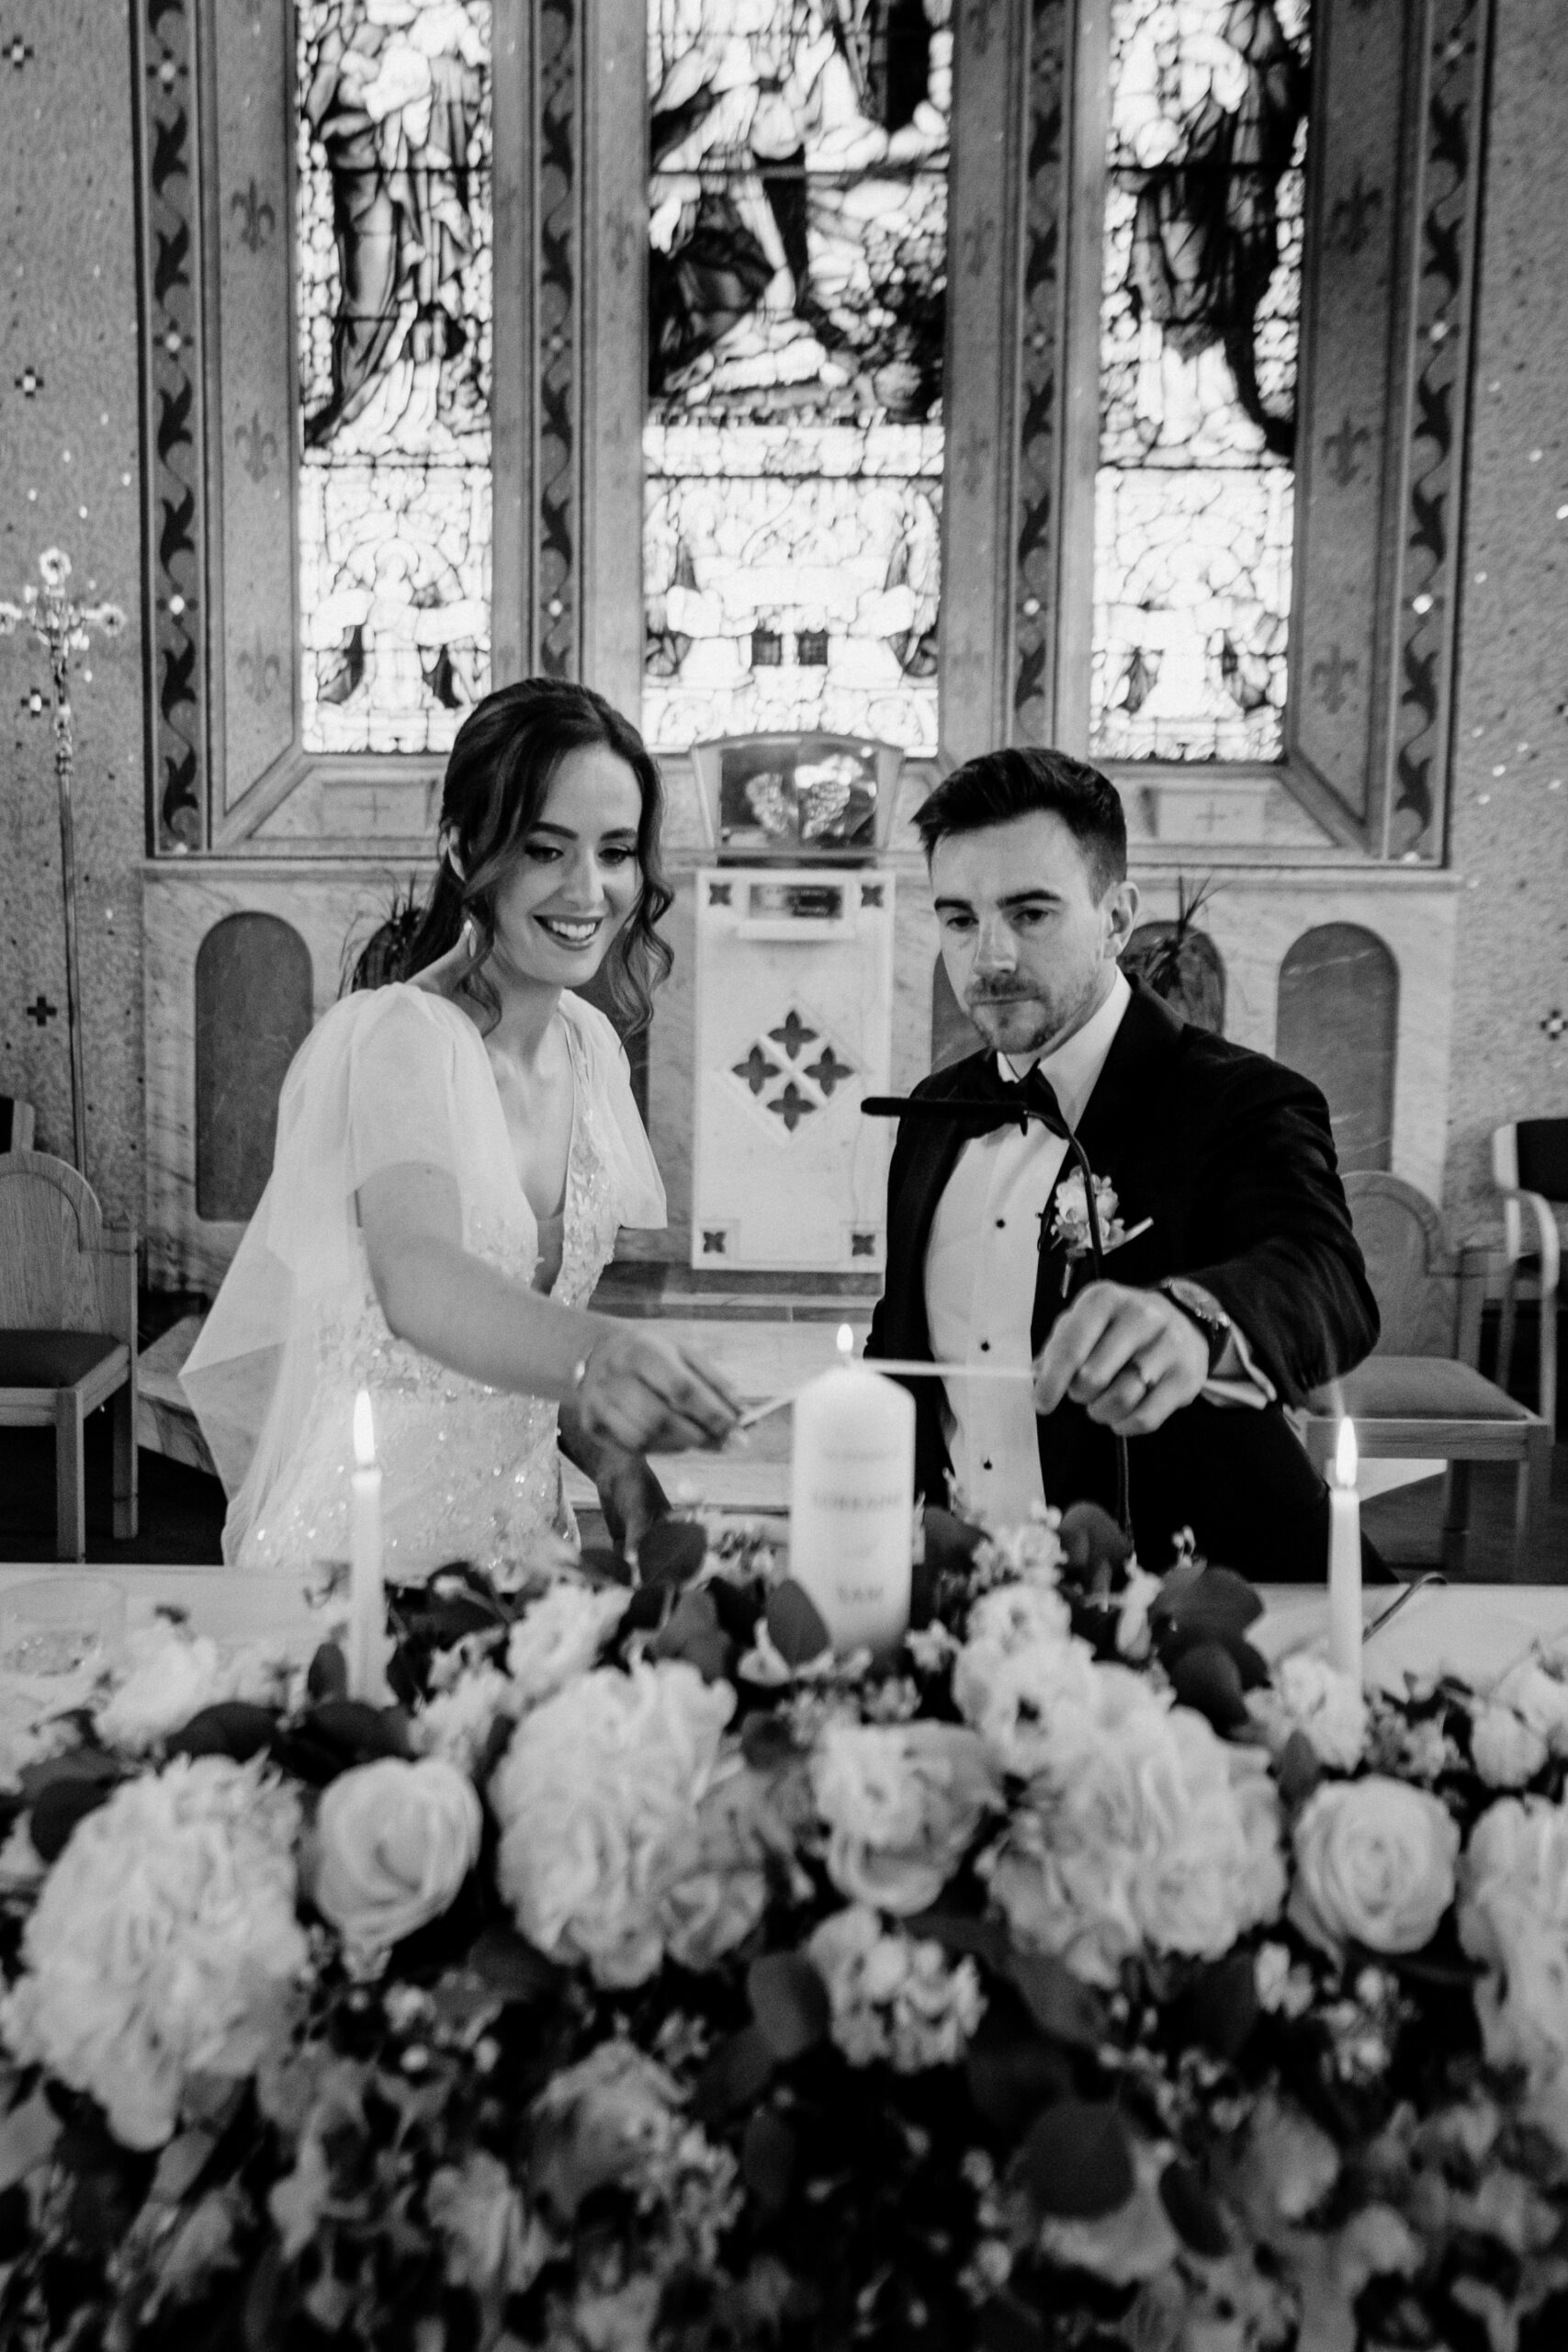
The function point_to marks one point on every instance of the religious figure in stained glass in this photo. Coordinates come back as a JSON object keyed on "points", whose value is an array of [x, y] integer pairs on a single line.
{"points": [[1200, 324], [395, 339], [797, 309]]}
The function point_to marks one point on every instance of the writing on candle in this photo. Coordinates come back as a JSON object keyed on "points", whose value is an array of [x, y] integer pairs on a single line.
{"points": [[851, 1482]]}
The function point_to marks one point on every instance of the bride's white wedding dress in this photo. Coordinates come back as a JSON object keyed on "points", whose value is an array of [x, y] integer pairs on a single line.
{"points": [[390, 1077]]}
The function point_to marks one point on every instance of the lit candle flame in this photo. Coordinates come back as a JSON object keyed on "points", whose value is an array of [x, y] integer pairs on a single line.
{"points": [[846, 1343], [364, 1433], [1345, 1453]]}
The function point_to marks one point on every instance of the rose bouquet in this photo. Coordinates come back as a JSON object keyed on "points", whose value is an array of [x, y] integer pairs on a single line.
{"points": [[648, 1976]]}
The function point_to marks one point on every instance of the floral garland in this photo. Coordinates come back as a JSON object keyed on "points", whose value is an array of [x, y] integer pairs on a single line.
{"points": [[648, 1977]]}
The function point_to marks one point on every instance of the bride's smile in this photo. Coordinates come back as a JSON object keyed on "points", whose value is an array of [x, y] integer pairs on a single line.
{"points": [[578, 878]]}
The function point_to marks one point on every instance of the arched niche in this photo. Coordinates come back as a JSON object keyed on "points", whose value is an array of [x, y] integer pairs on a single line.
{"points": [[252, 1013], [953, 1034], [1338, 1023], [1183, 966]]}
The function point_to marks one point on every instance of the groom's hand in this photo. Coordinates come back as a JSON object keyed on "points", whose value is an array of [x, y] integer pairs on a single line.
{"points": [[1130, 1357]]}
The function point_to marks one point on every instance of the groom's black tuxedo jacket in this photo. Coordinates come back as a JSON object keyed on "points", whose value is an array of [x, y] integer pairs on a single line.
{"points": [[1231, 1157]]}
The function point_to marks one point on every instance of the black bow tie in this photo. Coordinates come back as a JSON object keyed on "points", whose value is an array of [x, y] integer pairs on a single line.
{"points": [[1033, 1096]]}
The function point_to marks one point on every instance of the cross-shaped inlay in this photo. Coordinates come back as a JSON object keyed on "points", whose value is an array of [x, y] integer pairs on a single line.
{"points": [[42, 1011], [29, 383], [18, 51], [1555, 1023]]}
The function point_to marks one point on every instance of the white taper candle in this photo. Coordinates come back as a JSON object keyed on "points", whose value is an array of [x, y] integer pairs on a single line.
{"points": [[1344, 1558], [367, 1606]]}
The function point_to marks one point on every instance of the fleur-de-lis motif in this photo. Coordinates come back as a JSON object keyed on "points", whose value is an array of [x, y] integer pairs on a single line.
{"points": [[260, 670], [1330, 676], [1350, 218], [260, 219], [1340, 450], [259, 445]]}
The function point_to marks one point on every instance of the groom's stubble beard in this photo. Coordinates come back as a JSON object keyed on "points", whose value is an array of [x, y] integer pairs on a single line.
{"points": [[1018, 1019]]}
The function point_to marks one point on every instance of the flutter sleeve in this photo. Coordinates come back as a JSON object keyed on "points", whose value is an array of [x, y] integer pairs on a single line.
{"points": [[385, 1078], [617, 1124]]}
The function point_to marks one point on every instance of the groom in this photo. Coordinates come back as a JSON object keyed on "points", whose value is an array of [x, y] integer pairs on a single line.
{"points": [[1233, 1284]]}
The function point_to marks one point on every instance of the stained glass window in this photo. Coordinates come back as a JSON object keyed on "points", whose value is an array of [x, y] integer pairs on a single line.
{"points": [[1199, 325], [394, 279], [794, 442]]}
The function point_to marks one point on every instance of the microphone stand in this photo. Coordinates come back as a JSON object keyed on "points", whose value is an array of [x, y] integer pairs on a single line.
{"points": [[994, 1114]]}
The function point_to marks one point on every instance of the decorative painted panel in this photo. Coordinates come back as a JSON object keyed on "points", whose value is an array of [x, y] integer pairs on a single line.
{"points": [[1195, 494], [796, 292], [1037, 613], [165, 117], [254, 589], [395, 296], [1442, 263]]}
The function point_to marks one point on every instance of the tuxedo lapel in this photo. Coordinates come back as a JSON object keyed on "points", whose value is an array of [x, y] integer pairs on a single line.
{"points": [[1135, 1068], [934, 1148]]}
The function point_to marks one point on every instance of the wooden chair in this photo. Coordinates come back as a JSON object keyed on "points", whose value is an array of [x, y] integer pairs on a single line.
{"points": [[1419, 1397], [67, 1330], [15, 1124], [1529, 1167]]}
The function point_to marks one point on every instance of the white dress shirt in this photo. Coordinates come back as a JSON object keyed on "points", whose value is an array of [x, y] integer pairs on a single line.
{"points": [[982, 1262]]}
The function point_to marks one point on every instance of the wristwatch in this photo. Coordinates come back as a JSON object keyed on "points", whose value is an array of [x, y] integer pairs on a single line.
{"points": [[1200, 1306]]}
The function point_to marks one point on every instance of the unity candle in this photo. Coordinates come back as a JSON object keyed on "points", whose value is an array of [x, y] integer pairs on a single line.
{"points": [[851, 1501], [1344, 1558], [366, 1601]]}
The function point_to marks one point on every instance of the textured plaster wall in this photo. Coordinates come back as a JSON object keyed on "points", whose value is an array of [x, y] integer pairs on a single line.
{"points": [[1509, 835], [69, 478]]}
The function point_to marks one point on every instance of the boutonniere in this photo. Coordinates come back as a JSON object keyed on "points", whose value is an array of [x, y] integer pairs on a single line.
{"points": [[1069, 1218]]}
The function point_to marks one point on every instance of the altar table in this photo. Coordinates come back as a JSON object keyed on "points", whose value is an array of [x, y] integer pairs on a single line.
{"points": [[1477, 1630]]}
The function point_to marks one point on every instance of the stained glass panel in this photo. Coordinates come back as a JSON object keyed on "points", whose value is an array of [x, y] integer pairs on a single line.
{"points": [[1194, 500], [793, 442], [395, 293]]}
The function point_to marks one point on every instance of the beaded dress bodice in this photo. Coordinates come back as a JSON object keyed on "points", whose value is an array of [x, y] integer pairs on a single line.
{"points": [[468, 1472]]}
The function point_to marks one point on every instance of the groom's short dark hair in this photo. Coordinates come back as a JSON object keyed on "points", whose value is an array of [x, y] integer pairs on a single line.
{"points": [[997, 786]]}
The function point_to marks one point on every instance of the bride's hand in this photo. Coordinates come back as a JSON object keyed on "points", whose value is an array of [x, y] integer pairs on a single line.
{"points": [[446, 975], [652, 1395]]}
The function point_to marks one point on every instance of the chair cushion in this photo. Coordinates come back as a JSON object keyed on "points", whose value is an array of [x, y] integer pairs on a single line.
{"points": [[1410, 1388], [53, 1359]]}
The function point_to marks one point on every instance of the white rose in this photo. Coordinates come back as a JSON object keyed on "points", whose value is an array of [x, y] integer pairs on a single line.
{"points": [[1504, 1749], [1374, 1865], [394, 1841], [1309, 1696], [1540, 1698], [1513, 1917], [164, 1942], [559, 1636], [902, 1803], [599, 1798]]}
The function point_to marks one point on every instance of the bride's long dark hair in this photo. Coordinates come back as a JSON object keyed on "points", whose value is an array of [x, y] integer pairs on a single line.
{"points": [[498, 775]]}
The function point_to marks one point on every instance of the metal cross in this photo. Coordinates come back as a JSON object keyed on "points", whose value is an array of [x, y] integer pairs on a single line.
{"points": [[63, 627]]}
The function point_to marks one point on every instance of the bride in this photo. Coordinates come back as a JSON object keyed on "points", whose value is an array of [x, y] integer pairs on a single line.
{"points": [[455, 1153]]}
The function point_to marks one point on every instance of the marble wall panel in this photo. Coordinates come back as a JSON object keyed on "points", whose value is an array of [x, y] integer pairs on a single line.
{"points": [[69, 430], [1508, 831]]}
